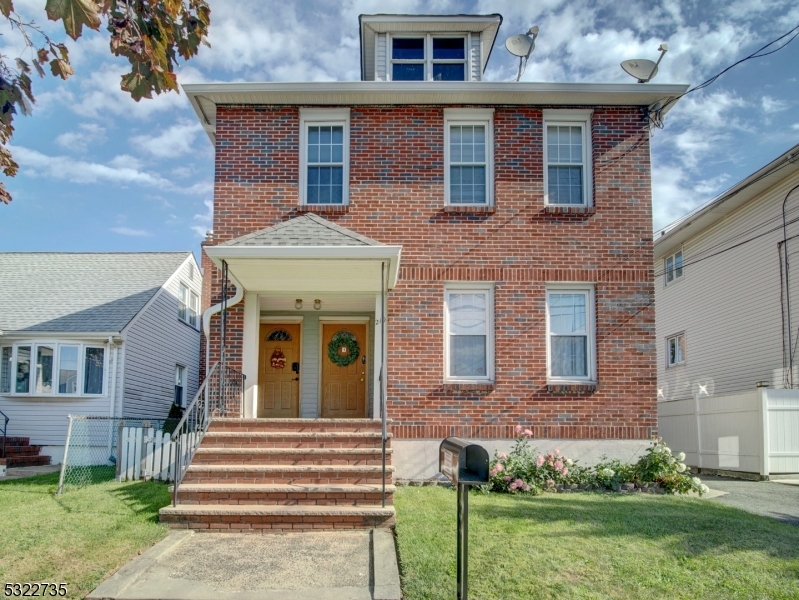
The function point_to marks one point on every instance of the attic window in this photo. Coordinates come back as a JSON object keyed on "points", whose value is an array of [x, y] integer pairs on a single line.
{"points": [[436, 58]]}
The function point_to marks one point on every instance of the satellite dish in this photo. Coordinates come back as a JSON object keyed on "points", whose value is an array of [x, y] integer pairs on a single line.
{"points": [[519, 45], [522, 45], [643, 69]]}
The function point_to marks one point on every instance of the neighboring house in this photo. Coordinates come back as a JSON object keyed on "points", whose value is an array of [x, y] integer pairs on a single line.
{"points": [[720, 297], [726, 322], [104, 334], [508, 223]]}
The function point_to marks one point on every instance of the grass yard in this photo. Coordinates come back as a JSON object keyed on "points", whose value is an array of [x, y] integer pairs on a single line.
{"points": [[77, 538], [593, 546]]}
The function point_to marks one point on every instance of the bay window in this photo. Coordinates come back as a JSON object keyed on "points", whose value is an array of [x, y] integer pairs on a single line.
{"points": [[52, 369]]}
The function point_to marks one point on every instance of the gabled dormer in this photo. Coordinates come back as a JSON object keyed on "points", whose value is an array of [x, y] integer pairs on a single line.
{"points": [[426, 47]]}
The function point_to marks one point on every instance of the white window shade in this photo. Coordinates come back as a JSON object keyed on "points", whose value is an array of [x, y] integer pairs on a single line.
{"points": [[469, 334], [570, 332]]}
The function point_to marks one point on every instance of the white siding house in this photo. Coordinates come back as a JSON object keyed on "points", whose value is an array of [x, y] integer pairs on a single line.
{"points": [[98, 334], [723, 304]]}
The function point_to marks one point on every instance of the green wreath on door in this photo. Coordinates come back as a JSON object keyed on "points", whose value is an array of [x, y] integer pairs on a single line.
{"points": [[343, 349]]}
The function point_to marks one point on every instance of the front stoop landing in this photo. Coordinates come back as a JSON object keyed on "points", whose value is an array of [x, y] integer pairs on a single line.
{"points": [[280, 475]]}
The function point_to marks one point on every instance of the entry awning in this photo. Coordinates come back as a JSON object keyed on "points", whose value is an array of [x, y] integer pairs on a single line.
{"points": [[308, 254]]}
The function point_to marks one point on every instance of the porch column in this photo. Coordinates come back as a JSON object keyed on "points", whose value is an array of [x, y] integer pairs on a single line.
{"points": [[378, 354], [249, 353]]}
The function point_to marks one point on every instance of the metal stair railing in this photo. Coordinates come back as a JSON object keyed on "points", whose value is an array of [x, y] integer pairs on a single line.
{"points": [[220, 395], [5, 428]]}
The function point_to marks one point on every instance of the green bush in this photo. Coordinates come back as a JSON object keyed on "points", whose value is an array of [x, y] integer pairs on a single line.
{"points": [[524, 471]]}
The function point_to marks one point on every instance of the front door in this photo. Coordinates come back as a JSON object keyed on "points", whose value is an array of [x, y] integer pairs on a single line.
{"points": [[344, 385], [278, 371]]}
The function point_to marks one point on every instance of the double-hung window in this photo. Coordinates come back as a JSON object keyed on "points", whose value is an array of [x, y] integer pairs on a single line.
{"points": [[429, 57], [180, 385], [567, 158], [324, 156], [675, 350], [468, 157], [52, 369], [188, 304], [673, 267], [469, 332], [571, 354]]}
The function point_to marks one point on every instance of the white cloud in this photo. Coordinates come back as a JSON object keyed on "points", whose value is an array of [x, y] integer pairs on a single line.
{"points": [[678, 194], [204, 221], [170, 143], [130, 232], [79, 140], [795, 126], [772, 105]]}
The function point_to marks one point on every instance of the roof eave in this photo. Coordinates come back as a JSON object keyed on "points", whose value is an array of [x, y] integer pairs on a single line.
{"points": [[62, 335]]}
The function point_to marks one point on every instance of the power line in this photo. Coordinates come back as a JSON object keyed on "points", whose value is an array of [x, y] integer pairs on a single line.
{"points": [[656, 115]]}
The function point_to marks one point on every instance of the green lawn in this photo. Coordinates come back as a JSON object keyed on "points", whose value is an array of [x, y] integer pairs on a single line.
{"points": [[593, 546], [78, 538]]}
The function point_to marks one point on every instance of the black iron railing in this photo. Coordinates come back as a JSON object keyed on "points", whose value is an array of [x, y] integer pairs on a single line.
{"points": [[220, 395], [5, 428]]}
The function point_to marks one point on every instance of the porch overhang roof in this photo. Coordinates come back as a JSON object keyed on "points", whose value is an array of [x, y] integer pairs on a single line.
{"points": [[310, 268]]}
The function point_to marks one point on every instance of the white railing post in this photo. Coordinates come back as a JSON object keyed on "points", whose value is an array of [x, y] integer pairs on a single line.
{"points": [[64, 460], [765, 459], [698, 414]]}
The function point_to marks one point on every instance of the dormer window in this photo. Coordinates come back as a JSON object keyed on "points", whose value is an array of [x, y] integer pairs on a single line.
{"points": [[428, 57]]}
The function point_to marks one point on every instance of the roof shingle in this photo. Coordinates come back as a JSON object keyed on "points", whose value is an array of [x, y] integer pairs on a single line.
{"points": [[306, 230]]}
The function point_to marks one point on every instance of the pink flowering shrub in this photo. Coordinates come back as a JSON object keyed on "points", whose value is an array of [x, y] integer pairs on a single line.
{"points": [[522, 470]]}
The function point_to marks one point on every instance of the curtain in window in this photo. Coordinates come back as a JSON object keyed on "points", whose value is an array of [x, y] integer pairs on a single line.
{"points": [[68, 370], [22, 385], [568, 335], [44, 370], [93, 374], [468, 335]]}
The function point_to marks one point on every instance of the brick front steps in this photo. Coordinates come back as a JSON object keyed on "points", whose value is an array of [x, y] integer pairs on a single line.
{"points": [[272, 475], [275, 518], [19, 453]]}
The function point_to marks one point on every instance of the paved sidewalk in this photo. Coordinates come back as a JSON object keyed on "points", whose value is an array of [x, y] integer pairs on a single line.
{"points": [[766, 498], [357, 565]]}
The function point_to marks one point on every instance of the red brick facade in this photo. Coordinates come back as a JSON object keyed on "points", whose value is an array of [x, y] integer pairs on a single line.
{"points": [[397, 197]]}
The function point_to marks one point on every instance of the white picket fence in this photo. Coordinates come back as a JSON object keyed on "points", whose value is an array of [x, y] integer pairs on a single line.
{"points": [[148, 453]]}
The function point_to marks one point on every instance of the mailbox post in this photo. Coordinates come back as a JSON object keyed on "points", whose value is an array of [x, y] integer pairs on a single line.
{"points": [[464, 464]]}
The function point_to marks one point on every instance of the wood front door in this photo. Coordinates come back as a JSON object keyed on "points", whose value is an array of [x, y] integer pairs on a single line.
{"points": [[344, 388], [278, 384]]}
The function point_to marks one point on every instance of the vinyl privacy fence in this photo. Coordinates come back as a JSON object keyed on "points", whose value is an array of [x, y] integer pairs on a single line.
{"points": [[753, 432], [102, 449]]}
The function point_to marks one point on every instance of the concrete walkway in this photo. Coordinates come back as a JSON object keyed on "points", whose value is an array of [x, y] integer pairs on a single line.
{"points": [[20, 472], [772, 499], [357, 565]]}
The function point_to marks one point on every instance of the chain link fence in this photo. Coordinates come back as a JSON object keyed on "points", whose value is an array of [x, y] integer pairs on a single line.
{"points": [[104, 448]]}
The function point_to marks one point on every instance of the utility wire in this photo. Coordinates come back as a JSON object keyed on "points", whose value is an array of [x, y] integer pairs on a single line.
{"points": [[656, 115]]}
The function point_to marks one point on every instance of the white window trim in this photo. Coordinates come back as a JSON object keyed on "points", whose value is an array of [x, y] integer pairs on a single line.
{"points": [[55, 345], [590, 308], [316, 117], [192, 302], [466, 286], [670, 364], [571, 117], [677, 278], [470, 116], [185, 381], [428, 60]]}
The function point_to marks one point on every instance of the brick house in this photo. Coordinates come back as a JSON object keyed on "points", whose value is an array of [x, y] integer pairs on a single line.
{"points": [[486, 246]]}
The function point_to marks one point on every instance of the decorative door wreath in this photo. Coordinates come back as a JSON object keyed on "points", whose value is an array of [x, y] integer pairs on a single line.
{"points": [[278, 359], [343, 349]]}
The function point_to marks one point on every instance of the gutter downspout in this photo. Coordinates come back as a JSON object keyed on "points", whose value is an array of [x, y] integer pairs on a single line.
{"points": [[113, 345], [216, 308]]}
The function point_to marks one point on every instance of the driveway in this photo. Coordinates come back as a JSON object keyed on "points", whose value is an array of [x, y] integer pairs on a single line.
{"points": [[778, 501]]}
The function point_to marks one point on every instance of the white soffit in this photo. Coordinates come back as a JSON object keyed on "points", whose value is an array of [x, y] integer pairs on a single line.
{"points": [[345, 269], [205, 97]]}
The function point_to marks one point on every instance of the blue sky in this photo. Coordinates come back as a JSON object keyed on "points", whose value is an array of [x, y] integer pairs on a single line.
{"points": [[99, 172]]}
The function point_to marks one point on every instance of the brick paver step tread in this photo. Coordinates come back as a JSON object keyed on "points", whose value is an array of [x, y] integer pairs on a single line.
{"points": [[291, 510], [300, 421], [292, 451], [289, 468], [282, 488], [295, 434]]}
